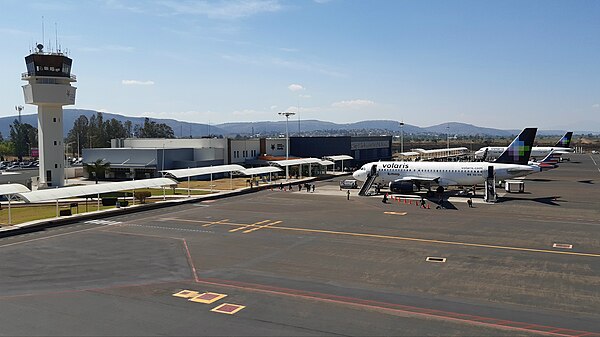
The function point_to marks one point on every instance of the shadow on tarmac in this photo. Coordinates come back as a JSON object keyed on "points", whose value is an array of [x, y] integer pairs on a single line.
{"points": [[552, 201], [586, 181]]}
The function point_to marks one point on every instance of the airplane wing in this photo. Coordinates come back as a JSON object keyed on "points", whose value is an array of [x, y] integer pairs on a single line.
{"points": [[519, 170], [419, 179]]}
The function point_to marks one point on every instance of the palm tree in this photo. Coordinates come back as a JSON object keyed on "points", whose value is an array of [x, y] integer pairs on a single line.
{"points": [[97, 168]]}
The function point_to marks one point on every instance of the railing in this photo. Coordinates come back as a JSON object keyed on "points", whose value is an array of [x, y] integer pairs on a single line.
{"points": [[26, 75]]}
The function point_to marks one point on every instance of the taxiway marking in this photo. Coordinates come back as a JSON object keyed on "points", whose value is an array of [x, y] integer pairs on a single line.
{"points": [[248, 226], [401, 238], [261, 227], [214, 223]]}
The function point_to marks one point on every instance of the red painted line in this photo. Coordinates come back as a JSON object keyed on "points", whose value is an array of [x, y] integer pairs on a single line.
{"points": [[185, 246], [433, 313], [190, 261]]}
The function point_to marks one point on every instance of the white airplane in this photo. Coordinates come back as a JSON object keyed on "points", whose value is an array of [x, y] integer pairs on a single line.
{"points": [[404, 176], [561, 147]]}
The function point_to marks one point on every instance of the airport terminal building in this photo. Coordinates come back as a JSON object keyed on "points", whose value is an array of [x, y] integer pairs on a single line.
{"points": [[137, 158]]}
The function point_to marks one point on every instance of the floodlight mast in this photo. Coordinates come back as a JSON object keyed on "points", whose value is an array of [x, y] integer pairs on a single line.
{"points": [[287, 115]]}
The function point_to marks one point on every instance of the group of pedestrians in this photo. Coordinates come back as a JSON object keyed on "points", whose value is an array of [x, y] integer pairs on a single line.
{"points": [[308, 187]]}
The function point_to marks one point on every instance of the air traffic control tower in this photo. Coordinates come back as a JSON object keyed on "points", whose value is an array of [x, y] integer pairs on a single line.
{"points": [[49, 87]]}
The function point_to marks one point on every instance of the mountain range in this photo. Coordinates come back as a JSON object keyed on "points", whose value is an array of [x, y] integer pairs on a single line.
{"points": [[267, 128]]}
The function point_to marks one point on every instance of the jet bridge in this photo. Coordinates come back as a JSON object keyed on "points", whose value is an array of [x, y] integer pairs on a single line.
{"points": [[371, 176]]}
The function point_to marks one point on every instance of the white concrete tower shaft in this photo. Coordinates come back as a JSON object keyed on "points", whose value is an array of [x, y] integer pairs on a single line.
{"points": [[49, 87]]}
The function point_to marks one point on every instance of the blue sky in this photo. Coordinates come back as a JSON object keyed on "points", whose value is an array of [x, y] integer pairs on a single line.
{"points": [[504, 64]]}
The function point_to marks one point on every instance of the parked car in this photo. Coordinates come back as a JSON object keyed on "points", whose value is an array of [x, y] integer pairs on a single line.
{"points": [[348, 183]]}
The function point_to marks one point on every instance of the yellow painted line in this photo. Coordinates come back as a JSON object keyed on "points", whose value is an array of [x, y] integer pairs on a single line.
{"points": [[395, 213], [378, 236], [186, 294], [389, 237], [207, 298], [215, 222], [260, 227], [248, 226], [228, 308]]}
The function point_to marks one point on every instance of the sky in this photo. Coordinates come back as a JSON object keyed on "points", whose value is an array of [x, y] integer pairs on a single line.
{"points": [[502, 64]]}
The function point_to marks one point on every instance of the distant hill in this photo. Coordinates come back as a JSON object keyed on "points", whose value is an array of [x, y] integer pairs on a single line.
{"points": [[267, 128], [70, 115]]}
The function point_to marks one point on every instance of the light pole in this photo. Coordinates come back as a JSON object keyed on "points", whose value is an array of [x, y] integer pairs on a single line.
{"points": [[448, 135], [287, 115], [401, 137]]}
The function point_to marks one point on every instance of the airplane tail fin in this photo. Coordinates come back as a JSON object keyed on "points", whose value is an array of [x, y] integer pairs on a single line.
{"points": [[565, 141], [519, 150], [550, 161]]}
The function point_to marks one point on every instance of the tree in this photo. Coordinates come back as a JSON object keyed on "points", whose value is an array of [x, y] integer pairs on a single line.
{"points": [[23, 136], [114, 129], [6, 148], [151, 129], [79, 133], [96, 133], [97, 168], [129, 127]]}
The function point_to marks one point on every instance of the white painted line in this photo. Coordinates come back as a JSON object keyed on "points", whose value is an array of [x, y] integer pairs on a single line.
{"points": [[103, 222], [435, 259], [169, 228], [562, 245], [594, 160]]}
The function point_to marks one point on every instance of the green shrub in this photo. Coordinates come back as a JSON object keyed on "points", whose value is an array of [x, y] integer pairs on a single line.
{"points": [[142, 195]]}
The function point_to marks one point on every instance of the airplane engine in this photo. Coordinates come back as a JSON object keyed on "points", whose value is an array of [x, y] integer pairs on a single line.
{"points": [[402, 186]]}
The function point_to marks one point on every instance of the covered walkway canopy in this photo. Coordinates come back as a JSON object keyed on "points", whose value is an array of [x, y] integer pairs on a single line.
{"points": [[292, 162], [200, 171], [339, 157], [300, 162], [52, 194], [9, 190], [261, 170], [77, 191]]}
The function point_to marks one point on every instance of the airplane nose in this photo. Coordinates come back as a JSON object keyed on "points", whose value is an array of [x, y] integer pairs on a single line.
{"points": [[359, 175]]}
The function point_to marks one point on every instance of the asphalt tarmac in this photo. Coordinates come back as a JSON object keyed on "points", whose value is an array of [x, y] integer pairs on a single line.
{"points": [[303, 263]]}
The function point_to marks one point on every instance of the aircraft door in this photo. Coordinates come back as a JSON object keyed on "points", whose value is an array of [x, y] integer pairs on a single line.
{"points": [[373, 170]]}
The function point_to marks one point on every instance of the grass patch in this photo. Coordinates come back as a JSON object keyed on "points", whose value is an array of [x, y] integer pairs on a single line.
{"points": [[25, 213]]}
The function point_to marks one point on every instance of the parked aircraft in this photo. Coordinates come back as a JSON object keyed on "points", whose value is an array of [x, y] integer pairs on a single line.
{"points": [[405, 176], [561, 147]]}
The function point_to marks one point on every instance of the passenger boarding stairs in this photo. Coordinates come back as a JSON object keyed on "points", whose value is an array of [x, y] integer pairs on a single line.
{"points": [[371, 176]]}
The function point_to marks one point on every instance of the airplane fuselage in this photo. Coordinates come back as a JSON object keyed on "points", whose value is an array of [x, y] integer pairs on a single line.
{"points": [[442, 173], [536, 151]]}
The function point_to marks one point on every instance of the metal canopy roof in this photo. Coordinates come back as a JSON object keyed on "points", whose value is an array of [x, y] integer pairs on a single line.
{"points": [[339, 157], [77, 191], [326, 163], [200, 171], [291, 162], [261, 170], [12, 189]]}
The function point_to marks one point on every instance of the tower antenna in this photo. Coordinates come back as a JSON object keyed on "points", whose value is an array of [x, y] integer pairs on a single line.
{"points": [[43, 31], [56, 37]]}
